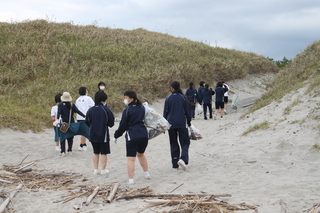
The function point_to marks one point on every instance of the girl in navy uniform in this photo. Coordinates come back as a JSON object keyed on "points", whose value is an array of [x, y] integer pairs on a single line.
{"points": [[220, 90], [207, 94], [132, 121], [177, 113], [99, 118]]}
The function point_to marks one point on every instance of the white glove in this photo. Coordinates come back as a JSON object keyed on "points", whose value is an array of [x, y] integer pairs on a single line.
{"points": [[115, 140]]}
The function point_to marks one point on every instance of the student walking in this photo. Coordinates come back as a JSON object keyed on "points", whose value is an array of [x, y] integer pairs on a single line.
{"points": [[55, 120], [192, 96], [200, 91], [177, 112], [99, 118], [207, 94], [220, 90], [226, 96], [132, 121], [101, 86], [83, 103], [66, 110]]}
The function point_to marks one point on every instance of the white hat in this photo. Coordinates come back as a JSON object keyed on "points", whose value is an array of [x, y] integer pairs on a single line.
{"points": [[66, 97]]}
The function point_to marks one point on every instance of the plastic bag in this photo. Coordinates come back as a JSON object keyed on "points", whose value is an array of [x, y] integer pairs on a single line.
{"points": [[199, 109], [194, 133], [154, 121], [234, 100]]}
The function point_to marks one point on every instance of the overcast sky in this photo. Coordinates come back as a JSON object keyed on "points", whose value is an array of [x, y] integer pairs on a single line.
{"points": [[273, 28]]}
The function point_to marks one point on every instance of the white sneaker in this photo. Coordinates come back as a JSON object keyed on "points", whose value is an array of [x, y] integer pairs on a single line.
{"points": [[130, 182], [95, 172], [62, 154], [70, 153], [183, 165], [84, 148], [147, 176], [174, 169], [221, 117], [215, 117], [105, 172], [80, 148], [57, 148]]}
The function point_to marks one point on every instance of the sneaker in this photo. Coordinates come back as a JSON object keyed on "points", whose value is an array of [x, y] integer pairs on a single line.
{"points": [[105, 172], [174, 169], [70, 153], [84, 148], [205, 118], [215, 117], [62, 154], [225, 112], [130, 182], [57, 148], [183, 165], [95, 172], [80, 148], [147, 176], [221, 117]]}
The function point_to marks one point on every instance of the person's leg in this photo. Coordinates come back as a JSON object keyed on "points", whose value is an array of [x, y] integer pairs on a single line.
{"points": [[216, 111], [226, 100], [96, 161], [210, 110], [70, 144], [83, 144], [184, 143], [174, 147], [103, 161], [143, 161], [130, 166], [222, 110], [63, 146], [205, 111]]}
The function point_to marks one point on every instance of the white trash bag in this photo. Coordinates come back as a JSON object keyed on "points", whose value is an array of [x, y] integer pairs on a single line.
{"points": [[155, 122], [194, 133]]}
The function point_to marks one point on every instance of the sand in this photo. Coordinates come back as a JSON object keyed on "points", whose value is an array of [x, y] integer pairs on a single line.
{"points": [[259, 169]]}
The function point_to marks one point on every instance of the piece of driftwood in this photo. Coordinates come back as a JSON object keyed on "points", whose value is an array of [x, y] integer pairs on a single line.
{"points": [[75, 196], [92, 195], [25, 170], [176, 187], [21, 168], [12, 195], [113, 193], [173, 195], [23, 160], [176, 202], [5, 181]]}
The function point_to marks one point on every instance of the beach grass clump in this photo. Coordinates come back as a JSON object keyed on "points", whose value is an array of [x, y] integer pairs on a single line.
{"points": [[260, 126], [303, 70], [39, 59]]}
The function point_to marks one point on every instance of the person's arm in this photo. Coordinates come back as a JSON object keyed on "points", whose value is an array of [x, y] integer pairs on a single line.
{"points": [[212, 92], [165, 109], [122, 126], [110, 118], [59, 111], [187, 112], [88, 118], [75, 109], [229, 90]]}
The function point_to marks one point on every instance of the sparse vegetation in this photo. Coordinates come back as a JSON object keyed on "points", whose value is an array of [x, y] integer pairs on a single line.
{"points": [[38, 59], [259, 126], [288, 109]]}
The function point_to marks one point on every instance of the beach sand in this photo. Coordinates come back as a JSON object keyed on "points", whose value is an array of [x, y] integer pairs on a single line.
{"points": [[259, 168]]}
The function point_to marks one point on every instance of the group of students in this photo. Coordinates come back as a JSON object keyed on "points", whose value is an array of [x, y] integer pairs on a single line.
{"points": [[203, 96], [99, 118]]}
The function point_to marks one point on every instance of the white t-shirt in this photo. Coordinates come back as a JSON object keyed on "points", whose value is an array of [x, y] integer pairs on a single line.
{"points": [[54, 111], [83, 103], [226, 86]]}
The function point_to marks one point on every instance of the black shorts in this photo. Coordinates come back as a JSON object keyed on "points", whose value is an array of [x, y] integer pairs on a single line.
{"points": [[219, 105], [101, 148], [136, 145], [225, 99]]}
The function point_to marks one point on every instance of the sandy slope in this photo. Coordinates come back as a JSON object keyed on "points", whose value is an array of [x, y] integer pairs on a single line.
{"points": [[260, 168]]}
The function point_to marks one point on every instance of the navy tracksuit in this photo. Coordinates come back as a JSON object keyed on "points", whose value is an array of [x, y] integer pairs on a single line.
{"points": [[192, 96], [207, 102], [177, 112]]}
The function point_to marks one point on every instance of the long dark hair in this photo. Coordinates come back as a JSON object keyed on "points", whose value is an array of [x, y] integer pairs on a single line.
{"points": [[176, 86], [132, 94], [206, 87], [191, 85]]}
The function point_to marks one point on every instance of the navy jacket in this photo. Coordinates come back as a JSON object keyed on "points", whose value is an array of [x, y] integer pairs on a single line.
{"points": [[207, 96], [200, 94], [192, 95], [177, 110], [64, 111], [132, 121], [99, 118], [220, 93]]}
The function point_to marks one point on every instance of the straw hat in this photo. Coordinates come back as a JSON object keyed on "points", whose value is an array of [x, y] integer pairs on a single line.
{"points": [[66, 97]]}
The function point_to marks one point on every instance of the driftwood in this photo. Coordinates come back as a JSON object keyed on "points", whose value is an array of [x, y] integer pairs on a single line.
{"points": [[173, 195], [5, 181], [23, 159], [56, 174], [176, 202], [29, 164], [25, 170], [113, 192], [12, 195], [92, 195], [176, 187]]}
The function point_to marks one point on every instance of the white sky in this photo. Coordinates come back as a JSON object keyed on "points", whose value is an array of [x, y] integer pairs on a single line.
{"points": [[273, 28]]}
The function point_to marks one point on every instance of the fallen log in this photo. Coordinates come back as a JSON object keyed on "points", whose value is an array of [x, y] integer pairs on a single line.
{"points": [[12, 195], [92, 195], [113, 192], [5, 181]]}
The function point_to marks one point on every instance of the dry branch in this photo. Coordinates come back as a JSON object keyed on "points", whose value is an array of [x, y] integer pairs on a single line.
{"points": [[6, 202], [113, 193], [92, 195], [5, 181], [29, 164]]}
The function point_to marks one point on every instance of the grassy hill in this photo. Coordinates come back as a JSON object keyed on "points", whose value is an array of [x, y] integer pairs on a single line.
{"points": [[38, 59], [303, 71]]}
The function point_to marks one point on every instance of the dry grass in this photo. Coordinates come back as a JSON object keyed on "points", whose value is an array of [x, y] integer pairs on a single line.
{"points": [[39, 59]]}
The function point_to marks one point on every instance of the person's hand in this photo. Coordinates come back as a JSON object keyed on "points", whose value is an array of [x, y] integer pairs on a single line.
{"points": [[115, 140], [189, 124]]}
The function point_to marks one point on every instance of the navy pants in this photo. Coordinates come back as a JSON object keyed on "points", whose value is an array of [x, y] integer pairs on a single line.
{"points": [[63, 145], [205, 106], [184, 140]]}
